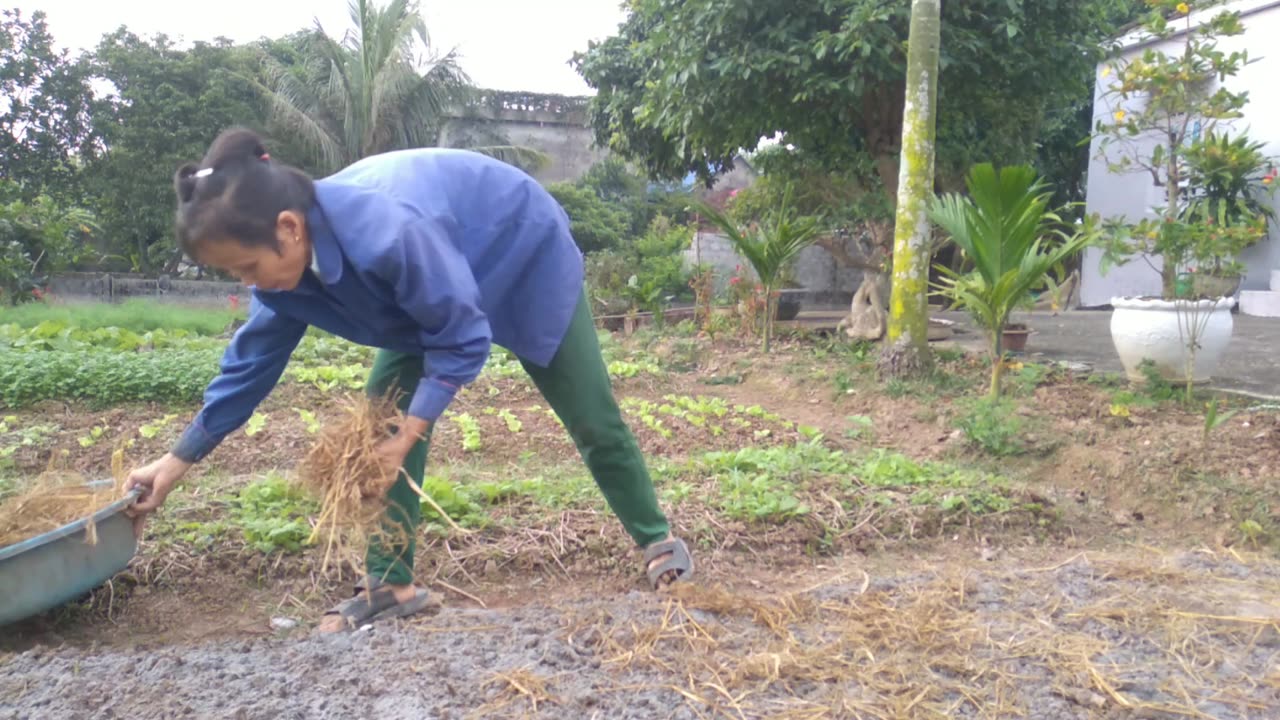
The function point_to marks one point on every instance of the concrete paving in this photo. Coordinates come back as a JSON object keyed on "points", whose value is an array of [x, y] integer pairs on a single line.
{"points": [[1251, 364]]}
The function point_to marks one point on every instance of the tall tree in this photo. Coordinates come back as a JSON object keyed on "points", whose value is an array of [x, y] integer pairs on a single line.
{"points": [[166, 105], [907, 352], [379, 87], [45, 128]]}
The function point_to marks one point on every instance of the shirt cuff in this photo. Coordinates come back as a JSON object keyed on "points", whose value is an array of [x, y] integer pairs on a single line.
{"points": [[431, 398], [195, 444]]}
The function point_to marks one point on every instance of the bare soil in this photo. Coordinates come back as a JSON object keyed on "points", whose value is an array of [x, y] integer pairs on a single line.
{"points": [[1149, 594]]}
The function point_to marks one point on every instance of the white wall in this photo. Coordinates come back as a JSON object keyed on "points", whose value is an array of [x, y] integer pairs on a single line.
{"points": [[1133, 195]]}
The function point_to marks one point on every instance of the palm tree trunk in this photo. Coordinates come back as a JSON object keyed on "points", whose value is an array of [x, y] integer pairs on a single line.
{"points": [[769, 312], [997, 362], [907, 350]]}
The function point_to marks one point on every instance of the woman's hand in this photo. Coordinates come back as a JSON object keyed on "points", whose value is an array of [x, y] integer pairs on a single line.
{"points": [[392, 452], [157, 481]]}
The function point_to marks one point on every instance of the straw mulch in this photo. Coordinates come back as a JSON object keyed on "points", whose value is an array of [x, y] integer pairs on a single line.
{"points": [[344, 473], [55, 498], [1158, 642]]}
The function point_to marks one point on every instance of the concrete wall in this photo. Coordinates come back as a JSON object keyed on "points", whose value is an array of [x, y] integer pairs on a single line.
{"points": [[555, 125], [1133, 195], [815, 270]]}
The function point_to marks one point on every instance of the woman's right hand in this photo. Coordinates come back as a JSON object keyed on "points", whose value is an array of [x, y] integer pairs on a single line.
{"points": [[157, 481]]}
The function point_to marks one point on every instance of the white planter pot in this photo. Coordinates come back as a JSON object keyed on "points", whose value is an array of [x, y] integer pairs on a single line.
{"points": [[1161, 331]]}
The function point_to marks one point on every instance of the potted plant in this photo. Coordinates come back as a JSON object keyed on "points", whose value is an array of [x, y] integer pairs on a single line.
{"points": [[770, 246], [1012, 240], [1014, 336], [790, 295], [1165, 113]]}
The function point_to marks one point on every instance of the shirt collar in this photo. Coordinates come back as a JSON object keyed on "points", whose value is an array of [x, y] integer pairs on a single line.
{"points": [[326, 255]]}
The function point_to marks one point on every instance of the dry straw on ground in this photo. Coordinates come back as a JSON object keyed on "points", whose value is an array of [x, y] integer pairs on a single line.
{"points": [[344, 472], [1165, 644], [55, 498]]}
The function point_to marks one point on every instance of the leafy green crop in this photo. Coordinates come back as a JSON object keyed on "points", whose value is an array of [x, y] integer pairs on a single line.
{"points": [[273, 514], [103, 377]]}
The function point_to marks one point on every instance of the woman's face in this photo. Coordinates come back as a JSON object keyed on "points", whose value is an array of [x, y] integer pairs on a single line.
{"points": [[264, 268]]}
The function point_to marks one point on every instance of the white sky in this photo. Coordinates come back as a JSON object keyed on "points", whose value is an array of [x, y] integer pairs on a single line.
{"points": [[503, 44]]}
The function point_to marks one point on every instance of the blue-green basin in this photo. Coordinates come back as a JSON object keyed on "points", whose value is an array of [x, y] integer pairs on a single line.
{"points": [[48, 570]]}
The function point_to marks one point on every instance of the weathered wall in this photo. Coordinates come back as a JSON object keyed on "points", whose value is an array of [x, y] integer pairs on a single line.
{"points": [[553, 124], [815, 270]]}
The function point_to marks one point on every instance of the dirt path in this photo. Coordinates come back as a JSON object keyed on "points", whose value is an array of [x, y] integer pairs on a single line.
{"points": [[1081, 635]]}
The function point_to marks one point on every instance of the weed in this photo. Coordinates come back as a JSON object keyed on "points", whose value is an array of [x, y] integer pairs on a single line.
{"points": [[1027, 378], [1213, 418], [945, 487], [992, 425], [1106, 380], [860, 426], [1154, 385]]}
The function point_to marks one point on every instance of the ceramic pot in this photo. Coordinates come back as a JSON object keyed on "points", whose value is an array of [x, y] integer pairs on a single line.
{"points": [[1161, 331]]}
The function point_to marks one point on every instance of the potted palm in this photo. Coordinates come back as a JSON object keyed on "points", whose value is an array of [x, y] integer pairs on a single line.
{"points": [[1012, 240], [770, 246]]}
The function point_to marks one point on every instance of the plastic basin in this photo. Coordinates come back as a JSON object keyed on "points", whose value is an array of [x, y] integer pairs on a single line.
{"points": [[45, 571]]}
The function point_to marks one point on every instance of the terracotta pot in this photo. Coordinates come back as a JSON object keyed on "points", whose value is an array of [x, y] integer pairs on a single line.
{"points": [[1014, 338]]}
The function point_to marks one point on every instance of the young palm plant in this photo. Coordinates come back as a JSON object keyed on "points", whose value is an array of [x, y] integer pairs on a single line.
{"points": [[377, 88], [769, 246], [1013, 240]]}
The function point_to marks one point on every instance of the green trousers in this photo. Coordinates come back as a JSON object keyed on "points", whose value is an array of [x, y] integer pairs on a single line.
{"points": [[577, 387]]}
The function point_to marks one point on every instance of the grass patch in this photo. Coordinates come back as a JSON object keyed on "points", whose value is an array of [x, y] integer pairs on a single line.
{"points": [[138, 316]]}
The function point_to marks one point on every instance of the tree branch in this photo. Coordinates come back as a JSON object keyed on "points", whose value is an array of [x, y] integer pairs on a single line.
{"points": [[842, 256]]}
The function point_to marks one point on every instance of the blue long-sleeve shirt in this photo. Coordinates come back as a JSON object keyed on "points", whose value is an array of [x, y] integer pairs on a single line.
{"points": [[434, 251]]}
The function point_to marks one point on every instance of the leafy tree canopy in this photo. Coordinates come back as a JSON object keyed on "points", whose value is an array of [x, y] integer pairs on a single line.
{"points": [[686, 84]]}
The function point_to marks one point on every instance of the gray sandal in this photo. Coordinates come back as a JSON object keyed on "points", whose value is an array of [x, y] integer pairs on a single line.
{"points": [[680, 561], [374, 601]]}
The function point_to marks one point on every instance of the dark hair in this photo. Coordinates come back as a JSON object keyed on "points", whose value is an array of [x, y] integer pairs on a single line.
{"points": [[236, 193]]}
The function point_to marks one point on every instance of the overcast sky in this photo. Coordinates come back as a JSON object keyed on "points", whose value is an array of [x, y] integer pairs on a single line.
{"points": [[497, 40]]}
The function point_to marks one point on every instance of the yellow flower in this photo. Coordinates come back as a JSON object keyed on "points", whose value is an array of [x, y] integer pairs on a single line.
{"points": [[1106, 71], [1119, 410], [1184, 8], [1120, 115]]}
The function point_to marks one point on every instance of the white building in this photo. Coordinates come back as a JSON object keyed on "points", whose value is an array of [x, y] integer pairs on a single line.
{"points": [[1133, 195]]}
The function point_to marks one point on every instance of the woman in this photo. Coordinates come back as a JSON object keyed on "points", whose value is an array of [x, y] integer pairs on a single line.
{"points": [[430, 255]]}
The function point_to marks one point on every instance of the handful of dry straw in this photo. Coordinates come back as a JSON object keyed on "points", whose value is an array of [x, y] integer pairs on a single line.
{"points": [[345, 473], [55, 498]]}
